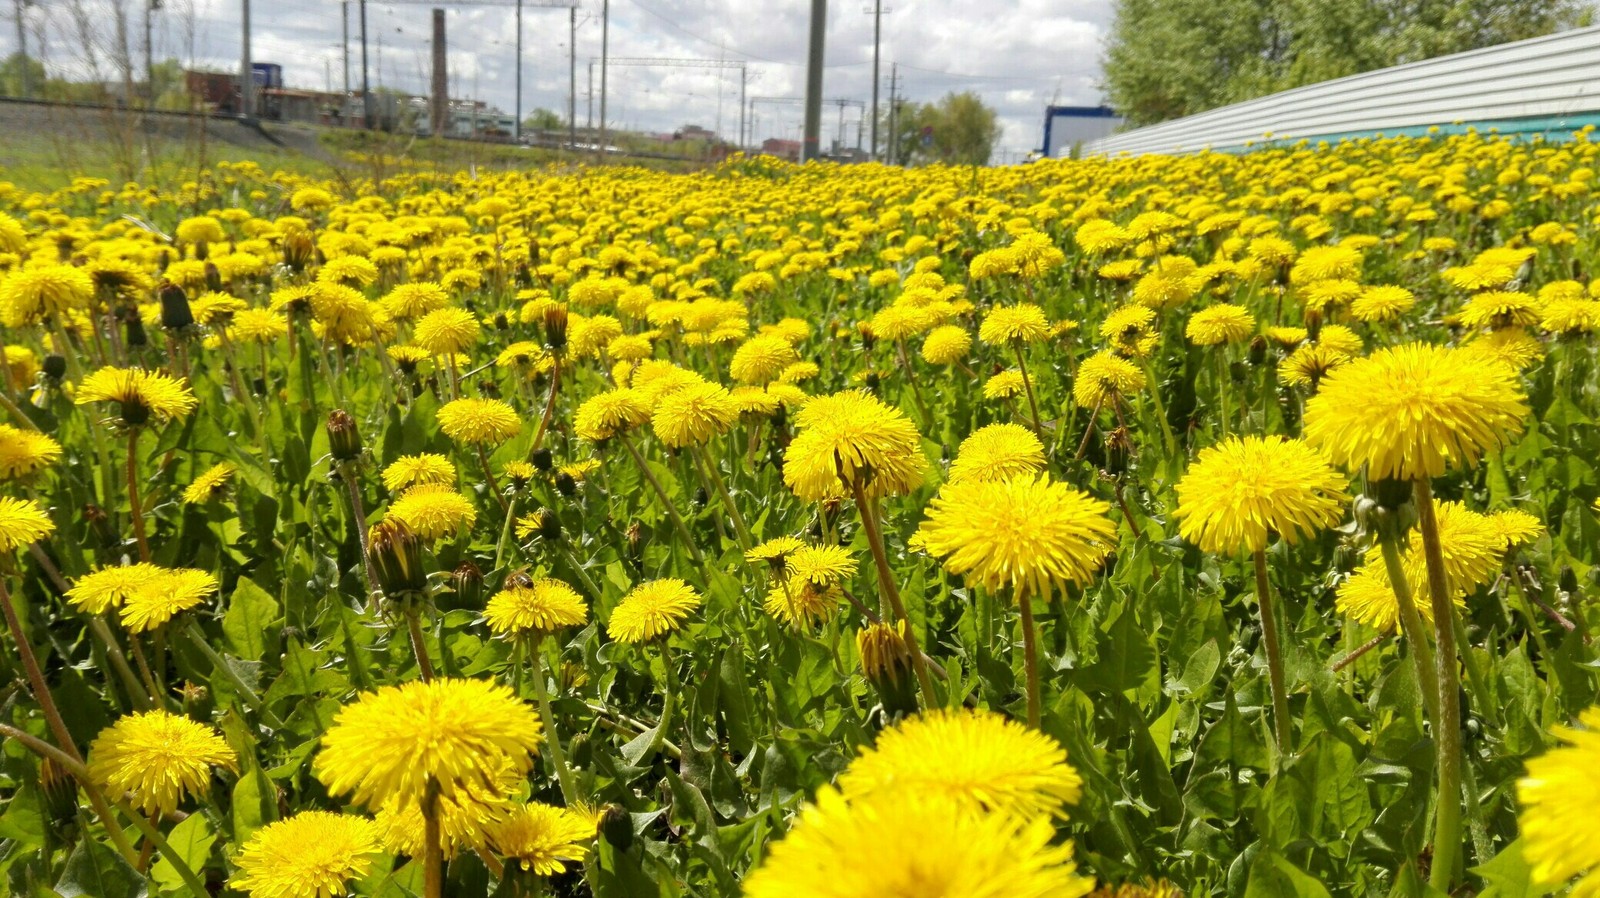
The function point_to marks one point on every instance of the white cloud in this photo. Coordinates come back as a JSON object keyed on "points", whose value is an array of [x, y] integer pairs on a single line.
{"points": [[1019, 56]]}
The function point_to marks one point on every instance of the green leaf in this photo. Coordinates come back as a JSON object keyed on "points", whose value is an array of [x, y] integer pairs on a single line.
{"points": [[250, 621], [1508, 875], [191, 840], [1272, 876], [96, 871]]}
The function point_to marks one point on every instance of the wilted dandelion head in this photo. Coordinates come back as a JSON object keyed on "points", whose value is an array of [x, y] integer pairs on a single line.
{"points": [[534, 609], [981, 758], [923, 844], [1558, 797], [477, 421], [1026, 534], [157, 759], [652, 609], [852, 438], [313, 853], [1413, 411], [1238, 494], [997, 452], [460, 733]]}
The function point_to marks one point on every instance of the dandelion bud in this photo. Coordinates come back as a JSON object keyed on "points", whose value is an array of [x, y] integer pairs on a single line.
{"points": [[635, 541], [565, 485], [872, 381], [1388, 508], [1568, 580], [868, 336], [1258, 350], [701, 497], [555, 329], [467, 580], [396, 557], [1119, 449], [886, 662], [134, 332], [99, 525], [298, 249], [581, 750], [175, 312], [617, 827], [344, 439], [60, 791], [501, 322], [55, 366], [213, 278], [542, 460]]}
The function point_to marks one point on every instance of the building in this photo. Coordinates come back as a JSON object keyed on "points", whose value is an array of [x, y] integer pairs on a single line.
{"points": [[1067, 127], [318, 107], [783, 149]]}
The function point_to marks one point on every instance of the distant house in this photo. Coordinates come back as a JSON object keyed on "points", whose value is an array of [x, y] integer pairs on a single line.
{"points": [[1066, 127], [695, 132], [783, 149]]}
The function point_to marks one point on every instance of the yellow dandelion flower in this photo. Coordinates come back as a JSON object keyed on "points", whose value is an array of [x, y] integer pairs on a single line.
{"points": [[1027, 534], [411, 470], [433, 511], [1412, 411], [1238, 494], [605, 415], [107, 588], [1382, 303], [479, 421], [22, 522], [459, 733], [845, 435], [1218, 324], [1558, 797], [24, 453], [446, 331], [542, 838], [257, 326], [694, 414], [762, 359], [313, 854], [1516, 527], [923, 844], [1004, 385], [946, 345], [139, 394], [1014, 325], [30, 296], [414, 300], [157, 759], [652, 609], [1499, 309], [997, 452], [977, 758], [541, 607], [164, 595], [1103, 376], [803, 605], [209, 484], [774, 551]]}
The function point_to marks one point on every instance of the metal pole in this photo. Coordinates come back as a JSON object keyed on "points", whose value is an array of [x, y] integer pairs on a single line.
{"points": [[572, 76], [247, 77], [894, 115], [439, 107], [605, 51], [809, 148], [590, 94], [744, 80], [516, 127], [877, 34], [150, 6], [366, 88]]}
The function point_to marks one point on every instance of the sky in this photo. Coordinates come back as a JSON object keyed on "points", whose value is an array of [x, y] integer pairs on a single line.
{"points": [[1019, 56]]}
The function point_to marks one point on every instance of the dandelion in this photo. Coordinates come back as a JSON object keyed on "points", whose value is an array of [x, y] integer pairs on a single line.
{"points": [[761, 359], [542, 838], [446, 331], [164, 595], [997, 452], [313, 854], [412, 470], [694, 414], [609, 414], [22, 522], [209, 484], [1239, 493], [923, 844], [139, 394], [1558, 797], [32, 296], [974, 757], [1013, 325], [946, 345], [652, 609], [157, 759], [1104, 376], [433, 511], [108, 588], [479, 422], [1382, 304], [852, 440], [24, 453], [541, 607], [1003, 385]]}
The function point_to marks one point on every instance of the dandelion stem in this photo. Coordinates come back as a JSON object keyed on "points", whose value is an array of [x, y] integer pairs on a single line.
{"points": [[745, 541], [1411, 620], [1269, 635], [549, 405], [133, 495], [433, 850], [887, 586], [1030, 659], [1222, 389], [669, 698], [488, 478], [358, 516], [661, 493], [220, 664], [1160, 408], [1027, 386], [418, 647], [1447, 731], [916, 389], [119, 663], [558, 755]]}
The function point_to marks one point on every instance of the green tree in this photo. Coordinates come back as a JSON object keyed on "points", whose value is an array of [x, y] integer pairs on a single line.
{"points": [[11, 80], [960, 129], [1170, 58], [543, 119]]}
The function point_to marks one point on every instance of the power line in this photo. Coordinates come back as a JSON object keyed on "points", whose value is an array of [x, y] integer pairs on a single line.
{"points": [[914, 68]]}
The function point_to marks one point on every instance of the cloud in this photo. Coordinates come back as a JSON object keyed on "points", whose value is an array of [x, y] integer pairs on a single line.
{"points": [[1018, 56]]}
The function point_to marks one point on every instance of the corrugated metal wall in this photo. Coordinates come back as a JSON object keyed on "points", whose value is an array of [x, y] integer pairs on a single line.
{"points": [[1545, 83]]}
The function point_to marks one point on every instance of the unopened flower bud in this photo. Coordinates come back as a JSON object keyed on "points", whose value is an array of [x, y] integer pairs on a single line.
{"points": [[541, 459], [886, 661], [467, 580], [298, 249], [1119, 449], [565, 485], [175, 312], [344, 439], [60, 791], [1258, 350], [396, 556], [549, 525], [55, 366], [616, 825], [555, 329]]}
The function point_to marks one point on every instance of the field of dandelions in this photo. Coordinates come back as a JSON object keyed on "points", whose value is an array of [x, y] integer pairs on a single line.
{"points": [[1219, 525]]}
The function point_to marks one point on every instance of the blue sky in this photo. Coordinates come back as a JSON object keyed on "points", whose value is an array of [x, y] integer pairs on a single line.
{"points": [[1018, 55]]}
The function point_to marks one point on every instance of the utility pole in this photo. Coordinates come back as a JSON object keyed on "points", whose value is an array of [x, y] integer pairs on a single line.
{"points": [[744, 83], [150, 6], [819, 24], [605, 51], [366, 92], [441, 73], [572, 76], [344, 105], [894, 115], [516, 126], [877, 35], [247, 75]]}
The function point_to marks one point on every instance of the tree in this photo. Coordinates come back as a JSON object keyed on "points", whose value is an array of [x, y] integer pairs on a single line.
{"points": [[1170, 58], [543, 119], [959, 129], [11, 80]]}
